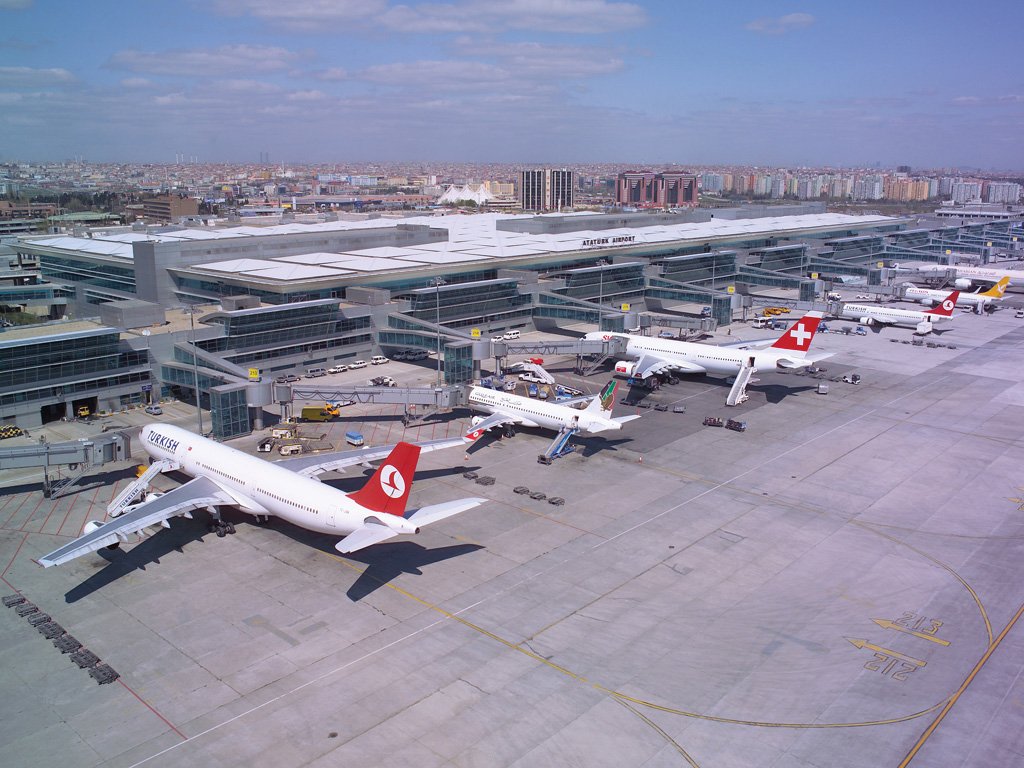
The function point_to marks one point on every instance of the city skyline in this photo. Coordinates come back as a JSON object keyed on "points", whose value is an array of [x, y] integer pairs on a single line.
{"points": [[525, 81]]}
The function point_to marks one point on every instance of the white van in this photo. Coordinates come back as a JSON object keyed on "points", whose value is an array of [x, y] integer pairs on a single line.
{"points": [[378, 360], [314, 373], [510, 335], [358, 364]]}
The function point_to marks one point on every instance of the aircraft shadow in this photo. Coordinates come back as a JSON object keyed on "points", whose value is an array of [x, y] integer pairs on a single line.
{"points": [[776, 393], [353, 482], [148, 551], [386, 562]]}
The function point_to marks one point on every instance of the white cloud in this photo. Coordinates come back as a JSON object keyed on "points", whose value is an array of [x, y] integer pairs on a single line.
{"points": [[436, 74], [550, 61], [27, 77], [480, 16], [331, 74], [226, 60], [780, 25]]}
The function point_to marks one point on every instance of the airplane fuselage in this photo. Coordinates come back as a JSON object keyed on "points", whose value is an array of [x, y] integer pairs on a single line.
{"points": [[716, 360], [260, 487], [936, 297], [537, 413], [886, 316]]}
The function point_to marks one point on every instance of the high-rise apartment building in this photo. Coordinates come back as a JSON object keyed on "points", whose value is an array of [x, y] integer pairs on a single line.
{"points": [[546, 189], [966, 192], [646, 189], [1003, 192]]}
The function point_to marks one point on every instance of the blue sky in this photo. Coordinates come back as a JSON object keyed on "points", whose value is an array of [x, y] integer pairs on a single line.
{"points": [[930, 84]]}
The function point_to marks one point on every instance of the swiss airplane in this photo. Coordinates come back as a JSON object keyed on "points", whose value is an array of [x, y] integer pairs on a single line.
{"points": [[510, 410], [654, 356], [224, 476], [932, 297], [923, 322]]}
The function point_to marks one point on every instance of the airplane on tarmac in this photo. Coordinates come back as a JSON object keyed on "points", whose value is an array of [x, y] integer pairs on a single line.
{"points": [[981, 299], [970, 277], [655, 356], [922, 322], [509, 410], [226, 477]]}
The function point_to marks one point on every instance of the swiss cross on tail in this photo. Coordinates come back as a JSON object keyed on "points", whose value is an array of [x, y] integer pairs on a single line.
{"points": [[388, 489], [945, 308], [798, 336]]}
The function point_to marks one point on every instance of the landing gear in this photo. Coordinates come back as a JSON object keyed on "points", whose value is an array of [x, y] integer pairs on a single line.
{"points": [[510, 432], [220, 527]]}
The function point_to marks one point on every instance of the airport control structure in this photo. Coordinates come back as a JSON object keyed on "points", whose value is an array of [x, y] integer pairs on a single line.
{"points": [[140, 313]]}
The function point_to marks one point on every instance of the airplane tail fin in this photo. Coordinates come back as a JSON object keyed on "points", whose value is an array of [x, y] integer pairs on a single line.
{"points": [[997, 290], [603, 402], [946, 306], [797, 338], [388, 489]]}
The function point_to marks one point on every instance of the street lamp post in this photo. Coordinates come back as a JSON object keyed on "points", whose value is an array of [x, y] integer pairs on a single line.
{"points": [[437, 282], [195, 367]]}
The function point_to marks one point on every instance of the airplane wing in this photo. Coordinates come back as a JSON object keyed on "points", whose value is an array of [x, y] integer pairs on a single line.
{"points": [[490, 422], [651, 364], [371, 533], [310, 466], [200, 492], [374, 532]]}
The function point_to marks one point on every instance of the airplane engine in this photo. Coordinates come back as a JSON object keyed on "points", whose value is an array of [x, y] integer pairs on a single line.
{"points": [[867, 321], [928, 302], [153, 495], [92, 525], [962, 283], [625, 368], [476, 420]]}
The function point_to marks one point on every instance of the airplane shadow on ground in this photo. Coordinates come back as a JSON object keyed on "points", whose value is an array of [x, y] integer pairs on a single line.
{"points": [[776, 393], [385, 562], [350, 481], [148, 551]]}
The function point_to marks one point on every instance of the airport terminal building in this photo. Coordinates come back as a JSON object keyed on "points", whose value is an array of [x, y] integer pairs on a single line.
{"points": [[294, 295]]}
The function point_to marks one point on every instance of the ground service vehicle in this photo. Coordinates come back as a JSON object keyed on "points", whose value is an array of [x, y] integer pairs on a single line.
{"points": [[315, 413], [354, 438], [314, 373], [378, 360]]}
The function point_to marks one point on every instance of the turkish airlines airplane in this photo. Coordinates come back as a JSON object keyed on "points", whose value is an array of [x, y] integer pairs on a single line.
{"points": [[931, 297], [654, 356], [923, 322], [224, 476], [510, 410]]}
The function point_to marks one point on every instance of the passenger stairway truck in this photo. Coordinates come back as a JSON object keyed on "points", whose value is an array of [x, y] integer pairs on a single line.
{"points": [[138, 486], [559, 446], [738, 393]]}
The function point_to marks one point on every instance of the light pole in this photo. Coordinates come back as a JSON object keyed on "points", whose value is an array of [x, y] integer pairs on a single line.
{"points": [[437, 282], [195, 367]]}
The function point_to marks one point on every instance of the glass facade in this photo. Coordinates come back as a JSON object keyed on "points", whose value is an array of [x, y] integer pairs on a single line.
{"points": [[229, 411], [612, 284], [51, 360], [84, 272], [470, 304]]}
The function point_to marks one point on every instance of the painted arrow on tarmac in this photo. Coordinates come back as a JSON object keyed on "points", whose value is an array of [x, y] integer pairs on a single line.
{"points": [[886, 624], [860, 643]]}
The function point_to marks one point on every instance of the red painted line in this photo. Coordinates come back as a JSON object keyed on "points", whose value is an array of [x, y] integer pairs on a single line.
{"points": [[13, 558], [23, 502], [32, 513], [71, 503], [152, 709]]}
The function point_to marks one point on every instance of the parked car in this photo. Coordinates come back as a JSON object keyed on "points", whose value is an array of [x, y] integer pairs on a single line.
{"points": [[315, 373], [287, 378], [382, 381], [154, 410], [358, 364], [337, 369], [379, 360], [511, 335], [666, 335], [530, 376]]}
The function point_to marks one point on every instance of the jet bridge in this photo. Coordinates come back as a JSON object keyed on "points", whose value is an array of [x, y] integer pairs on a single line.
{"points": [[432, 399], [64, 464]]}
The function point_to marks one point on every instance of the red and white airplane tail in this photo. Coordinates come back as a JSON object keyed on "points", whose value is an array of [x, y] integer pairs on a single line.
{"points": [[388, 489], [946, 306], [797, 338]]}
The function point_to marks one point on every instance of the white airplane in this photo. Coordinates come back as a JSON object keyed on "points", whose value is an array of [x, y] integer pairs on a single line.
{"points": [[509, 410], [930, 297], [922, 322], [654, 356], [970, 277], [287, 489]]}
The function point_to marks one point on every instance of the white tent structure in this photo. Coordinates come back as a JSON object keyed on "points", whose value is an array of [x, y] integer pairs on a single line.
{"points": [[456, 194]]}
